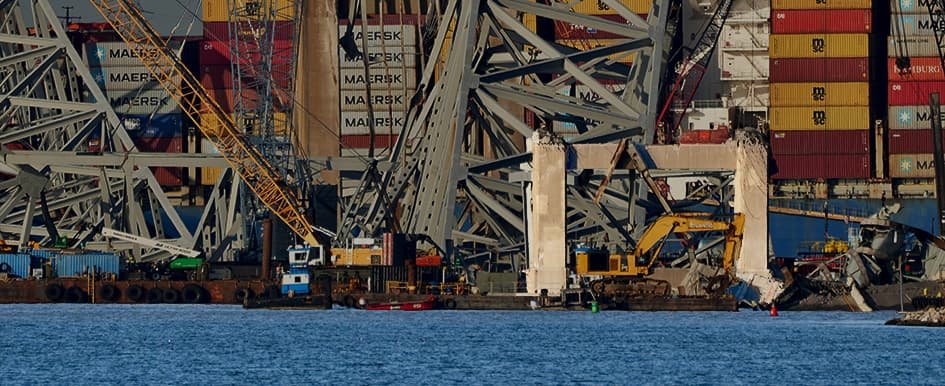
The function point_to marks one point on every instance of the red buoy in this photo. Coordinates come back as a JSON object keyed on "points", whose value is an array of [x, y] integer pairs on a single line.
{"points": [[774, 310]]}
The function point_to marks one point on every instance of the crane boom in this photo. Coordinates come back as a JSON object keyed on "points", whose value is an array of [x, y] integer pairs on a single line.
{"points": [[149, 242], [217, 126]]}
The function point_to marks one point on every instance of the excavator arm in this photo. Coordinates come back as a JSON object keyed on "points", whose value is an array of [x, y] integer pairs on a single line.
{"points": [[217, 126]]}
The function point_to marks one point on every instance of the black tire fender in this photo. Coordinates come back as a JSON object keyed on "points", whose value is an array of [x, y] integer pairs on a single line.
{"points": [[76, 295], [5, 267], [54, 292], [171, 295], [349, 301], [193, 294], [450, 304], [135, 293], [243, 294], [155, 295], [109, 292]]}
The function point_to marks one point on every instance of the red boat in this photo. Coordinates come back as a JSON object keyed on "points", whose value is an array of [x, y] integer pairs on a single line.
{"points": [[420, 305]]}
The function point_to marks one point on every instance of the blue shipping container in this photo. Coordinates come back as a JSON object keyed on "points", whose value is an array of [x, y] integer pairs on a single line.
{"points": [[78, 265], [153, 126], [16, 264]]}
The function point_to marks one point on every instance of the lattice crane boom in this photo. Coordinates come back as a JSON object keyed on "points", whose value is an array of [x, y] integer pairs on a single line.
{"points": [[252, 167]]}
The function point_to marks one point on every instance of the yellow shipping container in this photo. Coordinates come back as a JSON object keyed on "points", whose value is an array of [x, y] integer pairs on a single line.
{"points": [[818, 46], [598, 7], [911, 166], [219, 10], [819, 118], [820, 94], [280, 123], [821, 4], [623, 57]]}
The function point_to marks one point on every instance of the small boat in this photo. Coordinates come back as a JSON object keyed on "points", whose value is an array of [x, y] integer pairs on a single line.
{"points": [[419, 305]]}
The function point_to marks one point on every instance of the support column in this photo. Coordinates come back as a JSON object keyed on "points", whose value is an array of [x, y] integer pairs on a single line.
{"points": [[751, 200], [547, 252]]}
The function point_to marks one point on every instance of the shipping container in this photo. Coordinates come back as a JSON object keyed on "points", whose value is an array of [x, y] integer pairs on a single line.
{"points": [[225, 98], [913, 45], [821, 21], [920, 69], [743, 65], [169, 176], [380, 78], [395, 100], [213, 52], [599, 7], [145, 102], [820, 142], [910, 6], [357, 122], [912, 165], [620, 57], [221, 31], [570, 31], [82, 264], [911, 117], [159, 144], [107, 54], [219, 10], [909, 25], [911, 141], [818, 46], [364, 141], [126, 78], [280, 124], [393, 57], [820, 94], [388, 35], [157, 125], [819, 70], [821, 166], [16, 264], [913, 93], [821, 4], [819, 118], [221, 77], [209, 176], [744, 36]]}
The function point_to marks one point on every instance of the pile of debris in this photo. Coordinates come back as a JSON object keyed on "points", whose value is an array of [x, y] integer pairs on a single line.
{"points": [[929, 317]]}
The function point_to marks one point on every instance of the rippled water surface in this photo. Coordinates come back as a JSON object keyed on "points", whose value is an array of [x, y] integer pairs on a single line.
{"points": [[177, 344]]}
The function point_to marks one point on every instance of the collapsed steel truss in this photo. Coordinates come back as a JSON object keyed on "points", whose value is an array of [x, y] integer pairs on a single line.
{"points": [[457, 167]]}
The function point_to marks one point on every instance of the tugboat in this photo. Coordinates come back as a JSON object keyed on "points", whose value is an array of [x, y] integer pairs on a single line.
{"points": [[295, 283]]}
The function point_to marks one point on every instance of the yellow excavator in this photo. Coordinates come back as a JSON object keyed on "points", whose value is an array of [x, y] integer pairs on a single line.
{"points": [[626, 273]]}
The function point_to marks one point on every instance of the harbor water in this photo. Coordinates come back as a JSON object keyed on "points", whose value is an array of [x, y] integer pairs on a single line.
{"points": [[176, 344]]}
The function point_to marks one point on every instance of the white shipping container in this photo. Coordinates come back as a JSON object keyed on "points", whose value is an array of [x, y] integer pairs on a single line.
{"points": [[913, 25], [911, 117], [385, 122], [108, 54], [748, 36], [381, 78], [383, 56], [126, 78], [381, 100], [398, 35], [916, 45], [744, 65], [911, 6], [142, 102]]}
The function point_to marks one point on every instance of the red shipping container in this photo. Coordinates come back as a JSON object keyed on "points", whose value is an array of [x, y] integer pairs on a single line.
{"points": [[159, 144], [224, 98], [429, 261], [820, 142], [913, 93], [911, 142], [220, 30], [364, 141], [569, 31], [214, 52], [821, 21], [844, 166], [922, 69], [167, 176], [389, 20], [221, 77], [819, 70]]}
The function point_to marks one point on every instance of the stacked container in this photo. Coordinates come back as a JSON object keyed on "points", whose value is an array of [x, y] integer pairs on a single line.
{"points": [[819, 89], [151, 117], [910, 134], [216, 71], [392, 76]]}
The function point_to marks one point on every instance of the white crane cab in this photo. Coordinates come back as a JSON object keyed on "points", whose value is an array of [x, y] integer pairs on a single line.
{"points": [[304, 256]]}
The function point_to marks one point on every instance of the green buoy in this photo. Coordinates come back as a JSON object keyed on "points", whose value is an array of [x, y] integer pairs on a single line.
{"points": [[595, 308]]}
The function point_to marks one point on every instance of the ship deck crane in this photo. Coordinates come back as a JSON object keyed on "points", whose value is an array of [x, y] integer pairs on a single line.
{"points": [[217, 126]]}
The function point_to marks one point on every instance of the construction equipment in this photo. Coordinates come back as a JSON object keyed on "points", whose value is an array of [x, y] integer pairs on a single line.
{"points": [[217, 126], [150, 243], [627, 272]]}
